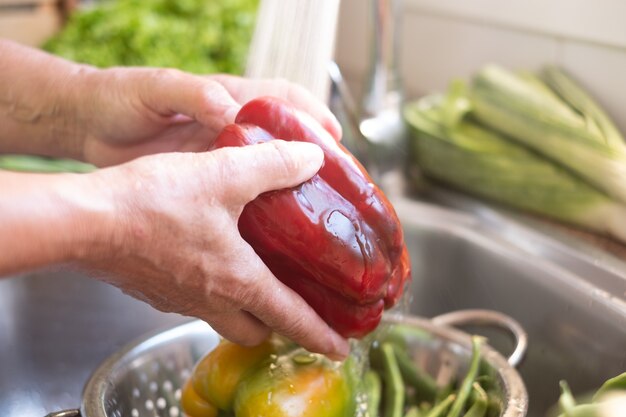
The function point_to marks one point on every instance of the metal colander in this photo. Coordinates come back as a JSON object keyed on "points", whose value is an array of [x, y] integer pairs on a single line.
{"points": [[144, 379]]}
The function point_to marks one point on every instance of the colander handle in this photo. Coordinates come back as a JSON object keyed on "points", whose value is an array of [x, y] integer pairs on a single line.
{"points": [[65, 413], [493, 319]]}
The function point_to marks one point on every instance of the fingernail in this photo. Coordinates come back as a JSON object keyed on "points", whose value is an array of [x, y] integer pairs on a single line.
{"points": [[313, 154], [341, 348]]}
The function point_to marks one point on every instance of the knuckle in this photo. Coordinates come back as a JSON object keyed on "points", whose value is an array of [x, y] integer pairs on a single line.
{"points": [[286, 163], [228, 166], [297, 328], [244, 289], [252, 337], [166, 74]]}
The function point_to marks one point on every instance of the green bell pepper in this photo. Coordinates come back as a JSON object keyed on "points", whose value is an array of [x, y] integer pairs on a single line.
{"points": [[274, 379], [299, 384]]}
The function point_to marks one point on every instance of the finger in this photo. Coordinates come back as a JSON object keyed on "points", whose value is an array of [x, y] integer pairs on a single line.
{"points": [[255, 169], [239, 327], [244, 90], [284, 311], [170, 92]]}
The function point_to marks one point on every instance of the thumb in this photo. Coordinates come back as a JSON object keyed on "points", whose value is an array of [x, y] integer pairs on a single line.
{"points": [[274, 165]]}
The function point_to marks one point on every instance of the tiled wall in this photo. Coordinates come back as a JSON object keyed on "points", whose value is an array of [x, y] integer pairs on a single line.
{"points": [[438, 46]]}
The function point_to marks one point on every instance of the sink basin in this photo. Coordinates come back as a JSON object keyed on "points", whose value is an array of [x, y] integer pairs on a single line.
{"points": [[572, 304], [60, 326]]}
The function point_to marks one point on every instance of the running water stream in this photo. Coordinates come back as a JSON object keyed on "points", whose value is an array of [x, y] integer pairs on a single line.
{"points": [[295, 40]]}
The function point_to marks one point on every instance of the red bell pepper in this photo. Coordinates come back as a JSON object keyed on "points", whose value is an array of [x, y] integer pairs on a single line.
{"points": [[335, 239]]}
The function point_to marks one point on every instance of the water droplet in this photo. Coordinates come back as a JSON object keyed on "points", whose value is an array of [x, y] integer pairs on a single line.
{"points": [[304, 358]]}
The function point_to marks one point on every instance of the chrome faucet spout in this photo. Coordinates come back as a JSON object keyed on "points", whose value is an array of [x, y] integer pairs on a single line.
{"points": [[374, 129]]}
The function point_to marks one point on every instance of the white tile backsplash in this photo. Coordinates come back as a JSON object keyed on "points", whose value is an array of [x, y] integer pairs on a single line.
{"points": [[597, 21], [437, 48]]}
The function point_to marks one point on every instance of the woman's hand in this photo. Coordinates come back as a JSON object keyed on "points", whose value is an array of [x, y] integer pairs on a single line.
{"points": [[130, 112], [180, 249], [163, 228], [53, 107]]}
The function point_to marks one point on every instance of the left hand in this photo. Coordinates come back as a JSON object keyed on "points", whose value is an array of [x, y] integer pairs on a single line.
{"points": [[130, 112]]}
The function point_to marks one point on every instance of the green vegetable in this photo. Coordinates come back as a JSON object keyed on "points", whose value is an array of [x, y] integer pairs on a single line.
{"points": [[372, 387], [608, 401], [440, 409], [413, 412], [414, 376], [466, 386], [566, 401], [617, 383], [193, 35], [516, 107], [475, 159], [394, 386], [479, 408], [445, 391], [579, 100], [25, 163], [284, 387]]}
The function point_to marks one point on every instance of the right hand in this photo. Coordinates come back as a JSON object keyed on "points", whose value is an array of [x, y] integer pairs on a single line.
{"points": [[177, 245]]}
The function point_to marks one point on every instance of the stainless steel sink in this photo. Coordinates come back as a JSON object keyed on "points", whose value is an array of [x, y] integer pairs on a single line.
{"points": [[570, 301], [59, 326]]}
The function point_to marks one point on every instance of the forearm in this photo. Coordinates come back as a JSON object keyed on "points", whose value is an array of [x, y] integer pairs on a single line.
{"points": [[39, 103], [53, 219]]}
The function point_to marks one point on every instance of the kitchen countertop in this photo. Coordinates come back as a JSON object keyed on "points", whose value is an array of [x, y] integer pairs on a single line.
{"points": [[55, 329]]}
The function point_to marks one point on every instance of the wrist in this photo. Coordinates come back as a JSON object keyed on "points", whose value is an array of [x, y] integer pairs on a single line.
{"points": [[99, 220], [54, 219], [76, 109], [41, 102]]}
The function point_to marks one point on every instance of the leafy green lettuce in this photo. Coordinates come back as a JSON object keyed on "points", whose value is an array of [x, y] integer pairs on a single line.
{"points": [[199, 36]]}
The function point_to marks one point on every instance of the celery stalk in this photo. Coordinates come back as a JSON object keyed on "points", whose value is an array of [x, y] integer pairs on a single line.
{"points": [[578, 99], [516, 107], [485, 163]]}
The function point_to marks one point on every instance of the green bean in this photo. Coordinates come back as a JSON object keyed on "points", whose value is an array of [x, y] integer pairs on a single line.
{"points": [[413, 412], [425, 407], [27, 163], [414, 376], [613, 384], [583, 410], [487, 382], [466, 385], [394, 386], [444, 392], [494, 405], [566, 400], [440, 409], [372, 384], [401, 335], [479, 408]]}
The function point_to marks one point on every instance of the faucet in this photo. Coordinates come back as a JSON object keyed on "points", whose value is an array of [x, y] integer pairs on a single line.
{"points": [[374, 129]]}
